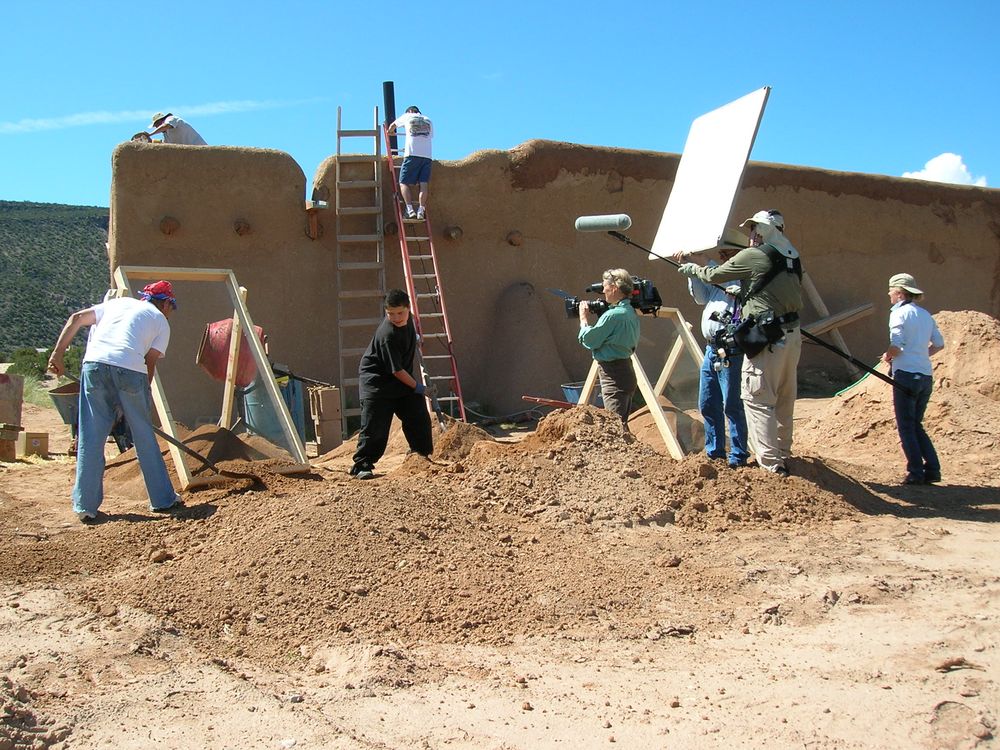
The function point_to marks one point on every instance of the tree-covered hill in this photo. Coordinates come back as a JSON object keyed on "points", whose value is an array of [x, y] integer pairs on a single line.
{"points": [[53, 260]]}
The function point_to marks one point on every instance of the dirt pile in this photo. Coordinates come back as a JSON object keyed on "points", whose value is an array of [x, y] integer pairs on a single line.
{"points": [[504, 542], [859, 427], [249, 455]]}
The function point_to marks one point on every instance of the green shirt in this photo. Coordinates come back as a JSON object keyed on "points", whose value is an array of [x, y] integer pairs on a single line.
{"points": [[615, 334], [782, 295]]}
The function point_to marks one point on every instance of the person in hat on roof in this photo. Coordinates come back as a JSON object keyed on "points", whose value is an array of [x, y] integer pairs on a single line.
{"points": [[128, 336], [175, 130], [771, 276], [913, 338]]}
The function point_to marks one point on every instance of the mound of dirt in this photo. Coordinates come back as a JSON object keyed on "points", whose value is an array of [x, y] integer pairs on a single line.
{"points": [[123, 476], [581, 467], [458, 440], [859, 427], [497, 545]]}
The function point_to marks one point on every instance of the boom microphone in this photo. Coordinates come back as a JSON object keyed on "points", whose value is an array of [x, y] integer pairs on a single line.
{"points": [[604, 223]]}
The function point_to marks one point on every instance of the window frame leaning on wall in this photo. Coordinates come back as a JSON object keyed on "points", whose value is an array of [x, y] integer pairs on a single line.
{"points": [[226, 277]]}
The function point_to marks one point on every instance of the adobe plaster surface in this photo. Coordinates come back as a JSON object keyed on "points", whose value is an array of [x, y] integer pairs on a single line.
{"points": [[512, 337]]}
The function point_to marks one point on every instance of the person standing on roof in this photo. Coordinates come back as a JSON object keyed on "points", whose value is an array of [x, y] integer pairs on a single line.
{"points": [[127, 338], [175, 130], [913, 338], [416, 169], [771, 273]]}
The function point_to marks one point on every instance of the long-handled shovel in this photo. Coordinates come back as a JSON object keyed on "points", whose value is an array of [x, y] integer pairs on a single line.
{"points": [[193, 453]]}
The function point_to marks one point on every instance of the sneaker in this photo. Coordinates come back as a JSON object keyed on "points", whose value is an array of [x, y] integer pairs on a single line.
{"points": [[175, 505], [364, 474], [910, 479], [781, 471], [932, 478], [420, 214], [410, 214], [86, 516]]}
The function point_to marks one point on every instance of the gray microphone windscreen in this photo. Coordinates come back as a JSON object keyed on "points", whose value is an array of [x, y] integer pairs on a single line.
{"points": [[605, 223]]}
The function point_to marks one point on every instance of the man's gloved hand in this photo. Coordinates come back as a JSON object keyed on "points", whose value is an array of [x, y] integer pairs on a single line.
{"points": [[688, 269], [419, 389]]}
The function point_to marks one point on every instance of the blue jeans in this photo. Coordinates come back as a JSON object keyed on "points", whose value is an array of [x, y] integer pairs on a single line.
{"points": [[719, 400], [921, 458], [104, 389]]}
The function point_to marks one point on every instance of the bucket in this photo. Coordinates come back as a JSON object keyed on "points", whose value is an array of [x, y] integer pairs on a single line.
{"points": [[67, 401], [572, 391], [260, 415], [213, 354]]}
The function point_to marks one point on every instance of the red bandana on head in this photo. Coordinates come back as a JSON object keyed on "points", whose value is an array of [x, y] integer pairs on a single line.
{"points": [[159, 290]]}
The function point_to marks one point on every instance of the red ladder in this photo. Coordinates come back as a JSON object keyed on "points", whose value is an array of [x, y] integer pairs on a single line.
{"points": [[423, 284]]}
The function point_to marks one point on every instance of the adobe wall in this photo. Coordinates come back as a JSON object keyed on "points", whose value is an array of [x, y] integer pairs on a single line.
{"points": [[511, 336]]}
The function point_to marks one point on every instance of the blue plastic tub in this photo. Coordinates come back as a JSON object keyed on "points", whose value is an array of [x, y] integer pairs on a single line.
{"points": [[572, 391]]}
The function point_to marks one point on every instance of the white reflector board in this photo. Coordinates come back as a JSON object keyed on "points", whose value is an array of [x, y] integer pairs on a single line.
{"points": [[708, 176]]}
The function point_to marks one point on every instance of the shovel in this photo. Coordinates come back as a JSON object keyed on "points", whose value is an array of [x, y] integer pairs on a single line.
{"points": [[194, 454]]}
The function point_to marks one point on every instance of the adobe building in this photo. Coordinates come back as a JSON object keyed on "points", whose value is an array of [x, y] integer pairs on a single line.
{"points": [[245, 209]]}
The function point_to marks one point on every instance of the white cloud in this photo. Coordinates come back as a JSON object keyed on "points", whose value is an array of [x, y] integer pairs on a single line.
{"points": [[947, 167], [141, 116]]}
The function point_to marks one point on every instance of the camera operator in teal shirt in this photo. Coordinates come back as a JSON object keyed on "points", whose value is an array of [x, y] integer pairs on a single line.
{"points": [[612, 340]]}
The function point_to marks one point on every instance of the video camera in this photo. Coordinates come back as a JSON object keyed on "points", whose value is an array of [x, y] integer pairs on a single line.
{"points": [[645, 298]]}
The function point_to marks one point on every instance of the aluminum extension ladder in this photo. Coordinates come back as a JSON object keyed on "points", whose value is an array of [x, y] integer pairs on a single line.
{"points": [[427, 304], [360, 256]]}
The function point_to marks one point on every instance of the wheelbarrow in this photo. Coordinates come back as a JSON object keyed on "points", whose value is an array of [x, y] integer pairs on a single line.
{"points": [[67, 402]]}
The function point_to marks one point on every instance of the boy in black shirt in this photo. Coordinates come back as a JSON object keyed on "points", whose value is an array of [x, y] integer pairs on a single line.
{"points": [[387, 387]]}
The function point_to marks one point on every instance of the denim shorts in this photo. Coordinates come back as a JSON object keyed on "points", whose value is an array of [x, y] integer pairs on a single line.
{"points": [[415, 169]]}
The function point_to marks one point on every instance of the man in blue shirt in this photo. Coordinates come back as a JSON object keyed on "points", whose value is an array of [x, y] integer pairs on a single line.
{"points": [[719, 382], [613, 339], [913, 338]]}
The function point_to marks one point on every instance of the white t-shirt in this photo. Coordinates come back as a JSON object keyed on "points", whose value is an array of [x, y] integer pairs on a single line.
{"points": [[419, 132], [125, 331], [181, 133]]}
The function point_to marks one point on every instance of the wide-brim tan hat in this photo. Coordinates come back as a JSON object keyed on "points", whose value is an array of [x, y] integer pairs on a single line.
{"points": [[157, 117], [905, 281]]}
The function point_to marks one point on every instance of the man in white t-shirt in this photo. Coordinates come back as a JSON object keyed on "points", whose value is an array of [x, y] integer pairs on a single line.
{"points": [[175, 130], [416, 169], [127, 338]]}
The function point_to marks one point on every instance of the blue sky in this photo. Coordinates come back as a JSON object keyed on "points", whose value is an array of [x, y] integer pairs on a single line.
{"points": [[878, 87]]}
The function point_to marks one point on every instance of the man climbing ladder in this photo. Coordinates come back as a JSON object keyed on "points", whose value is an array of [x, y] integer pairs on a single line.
{"points": [[416, 169]]}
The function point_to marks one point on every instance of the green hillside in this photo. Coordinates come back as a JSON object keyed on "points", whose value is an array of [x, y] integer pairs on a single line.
{"points": [[53, 260]]}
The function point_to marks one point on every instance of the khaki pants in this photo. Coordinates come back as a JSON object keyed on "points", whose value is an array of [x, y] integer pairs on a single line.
{"points": [[769, 389]]}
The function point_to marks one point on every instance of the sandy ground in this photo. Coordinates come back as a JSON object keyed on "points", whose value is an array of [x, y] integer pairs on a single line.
{"points": [[574, 588]]}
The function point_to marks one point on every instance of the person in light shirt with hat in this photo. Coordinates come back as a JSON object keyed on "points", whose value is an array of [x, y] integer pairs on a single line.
{"points": [[175, 130], [128, 336], [913, 338]]}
